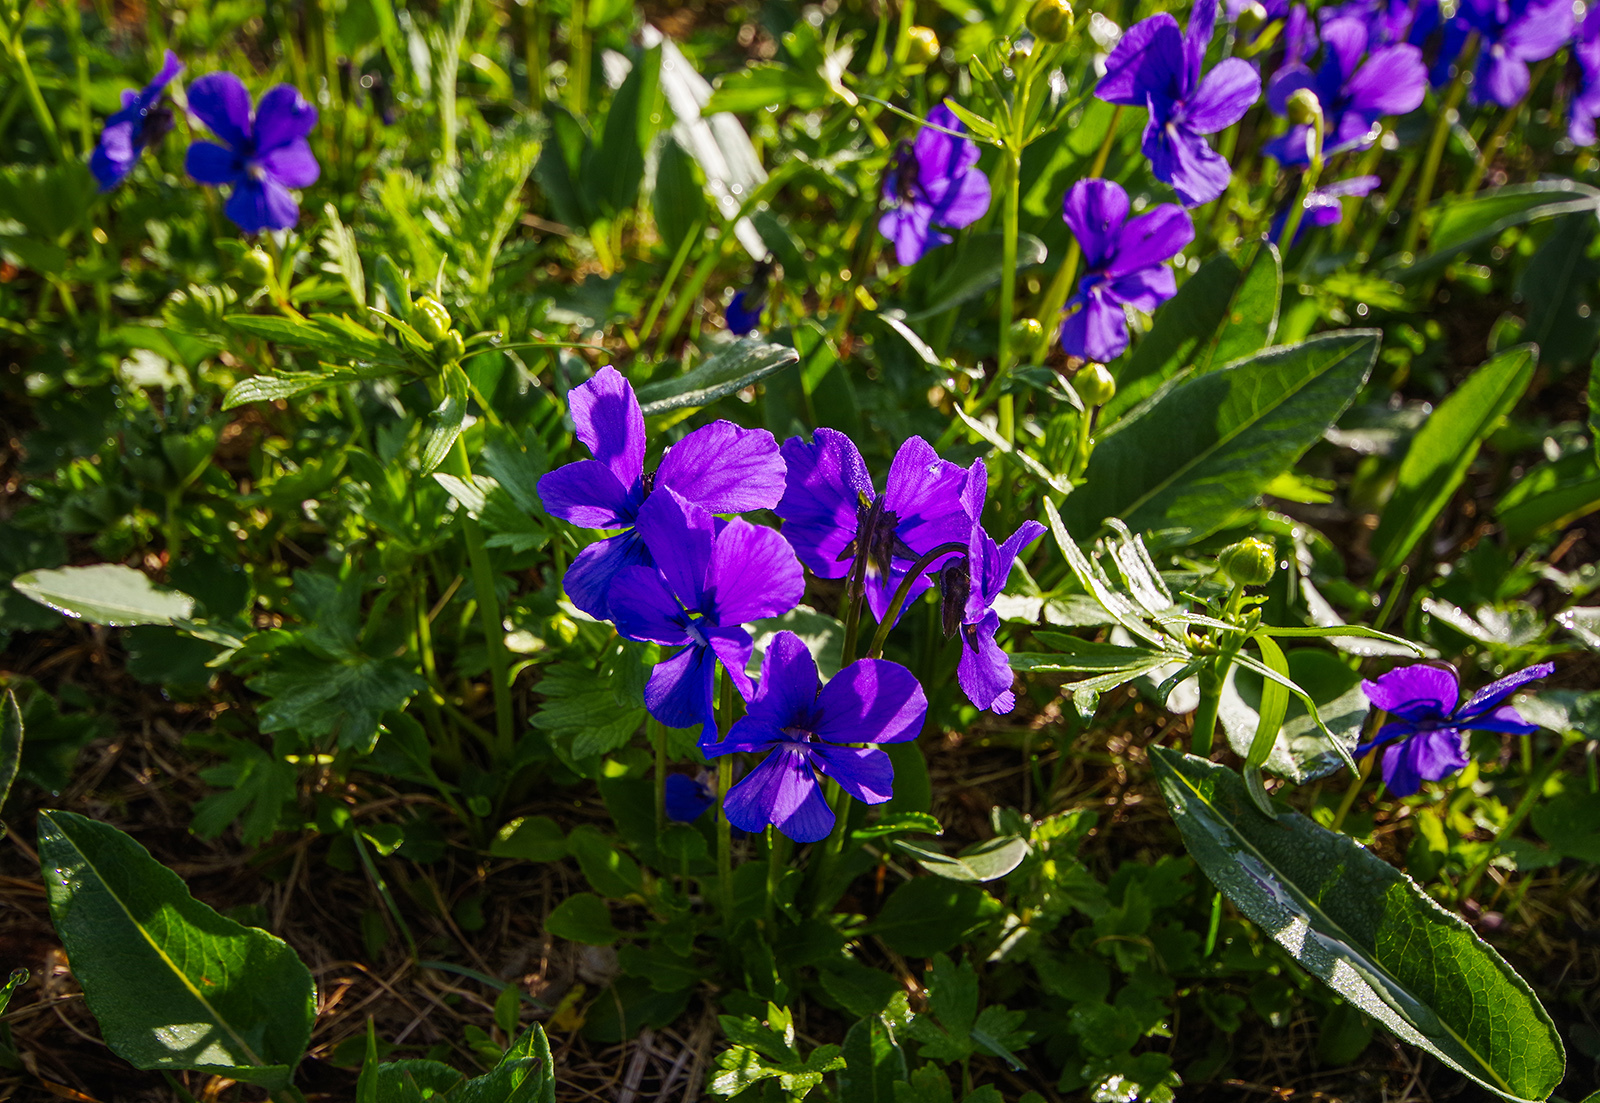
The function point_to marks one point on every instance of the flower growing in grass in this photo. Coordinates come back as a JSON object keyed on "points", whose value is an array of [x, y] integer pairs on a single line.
{"points": [[808, 728], [144, 119], [1426, 739], [970, 586], [831, 513], [1353, 94], [932, 181], [718, 467], [1125, 264], [262, 154], [709, 580], [1157, 67]]}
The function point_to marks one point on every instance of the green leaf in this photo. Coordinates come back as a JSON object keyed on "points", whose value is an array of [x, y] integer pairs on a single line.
{"points": [[1594, 405], [929, 915], [872, 1063], [339, 242], [173, 984], [1559, 285], [319, 697], [583, 917], [768, 85], [270, 388], [1444, 448], [1366, 930], [898, 823], [16, 980], [10, 744], [1550, 495], [679, 203], [331, 336], [616, 170], [531, 838], [1252, 317], [526, 1074], [1182, 328], [1463, 223], [1274, 704], [1207, 447], [445, 423], [985, 861], [611, 872], [732, 368], [973, 269], [105, 593]]}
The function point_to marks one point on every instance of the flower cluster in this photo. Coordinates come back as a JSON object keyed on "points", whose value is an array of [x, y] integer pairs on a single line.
{"points": [[261, 153], [1426, 739], [677, 570]]}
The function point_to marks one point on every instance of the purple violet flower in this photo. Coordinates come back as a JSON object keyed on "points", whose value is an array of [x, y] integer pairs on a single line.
{"points": [[687, 798], [831, 513], [1511, 34], [719, 467], [744, 311], [1156, 66], [712, 580], [144, 119], [932, 181], [1324, 207], [1586, 101], [812, 729], [262, 155], [970, 585], [1354, 94], [1425, 739], [1124, 264]]}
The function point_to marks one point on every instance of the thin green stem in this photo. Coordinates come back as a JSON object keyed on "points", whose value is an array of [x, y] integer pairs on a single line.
{"points": [[1008, 285], [1308, 181], [658, 739], [1497, 137], [488, 613], [903, 591], [1444, 120], [1524, 806], [1084, 445], [41, 110], [1356, 782], [855, 594], [1205, 714], [724, 828], [777, 864]]}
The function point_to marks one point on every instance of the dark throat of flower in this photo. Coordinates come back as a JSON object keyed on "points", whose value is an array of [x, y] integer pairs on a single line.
{"points": [[955, 585], [903, 174]]}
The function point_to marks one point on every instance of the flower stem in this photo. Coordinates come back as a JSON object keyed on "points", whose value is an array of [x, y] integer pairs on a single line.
{"points": [[903, 592], [1497, 137], [1084, 446], [1308, 183], [855, 595], [41, 110], [658, 738], [777, 862], [1008, 286], [1524, 806], [1441, 133], [724, 828], [1351, 793], [1205, 715], [488, 612]]}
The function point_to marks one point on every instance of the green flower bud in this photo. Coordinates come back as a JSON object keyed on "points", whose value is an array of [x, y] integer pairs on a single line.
{"points": [[1251, 17], [450, 347], [1304, 107], [924, 45], [1050, 20], [255, 267], [1027, 331], [431, 318], [1094, 385], [1250, 562]]}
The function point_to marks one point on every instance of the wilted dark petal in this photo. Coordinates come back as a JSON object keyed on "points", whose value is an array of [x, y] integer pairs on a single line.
{"points": [[754, 574], [263, 204], [724, 469], [1493, 694], [588, 580], [607, 419], [680, 536], [864, 772], [588, 495], [1145, 289], [1097, 332], [283, 116], [1149, 52], [1095, 211], [871, 701], [642, 607], [1223, 97], [291, 164], [1420, 691], [680, 690], [984, 671], [782, 790], [823, 482], [222, 103], [212, 164], [787, 692], [687, 799], [1392, 82], [1182, 158]]}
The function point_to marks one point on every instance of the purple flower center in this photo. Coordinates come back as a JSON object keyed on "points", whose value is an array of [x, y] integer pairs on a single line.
{"points": [[903, 174]]}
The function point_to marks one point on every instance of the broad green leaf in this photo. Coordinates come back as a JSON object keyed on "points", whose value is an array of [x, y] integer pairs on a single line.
{"points": [[731, 368], [985, 861], [898, 823], [1076, 656], [1550, 495], [445, 423], [343, 697], [270, 388], [173, 984], [105, 593], [583, 917], [1559, 286], [1182, 328], [1301, 751], [1207, 447], [10, 744], [1444, 448], [607, 868], [679, 203], [616, 170], [1462, 223], [929, 915], [1570, 823], [973, 270], [526, 1074], [1252, 316], [1366, 930], [872, 1063], [531, 838]]}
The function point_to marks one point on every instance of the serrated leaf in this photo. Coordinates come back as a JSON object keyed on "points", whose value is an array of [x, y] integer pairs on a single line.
{"points": [[929, 915], [172, 984], [105, 593], [318, 697], [730, 369], [1366, 930]]}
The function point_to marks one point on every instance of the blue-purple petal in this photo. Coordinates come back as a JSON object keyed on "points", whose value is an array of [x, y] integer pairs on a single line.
{"points": [[1420, 691], [293, 165], [1095, 211], [680, 536], [753, 575], [642, 607], [261, 204], [984, 671], [680, 691], [587, 494], [283, 116], [589, 577], [864, 772], [871, 701], [607, 419], [724, 469], [1496, 692], [209, 163], [823, 481], [782, 790], [222, 103]]}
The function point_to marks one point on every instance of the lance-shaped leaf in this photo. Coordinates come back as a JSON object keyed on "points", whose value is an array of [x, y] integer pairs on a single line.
{"points": [[732, 368], [1366, 930], [105, 593], [10, 744], [173, 984]]}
